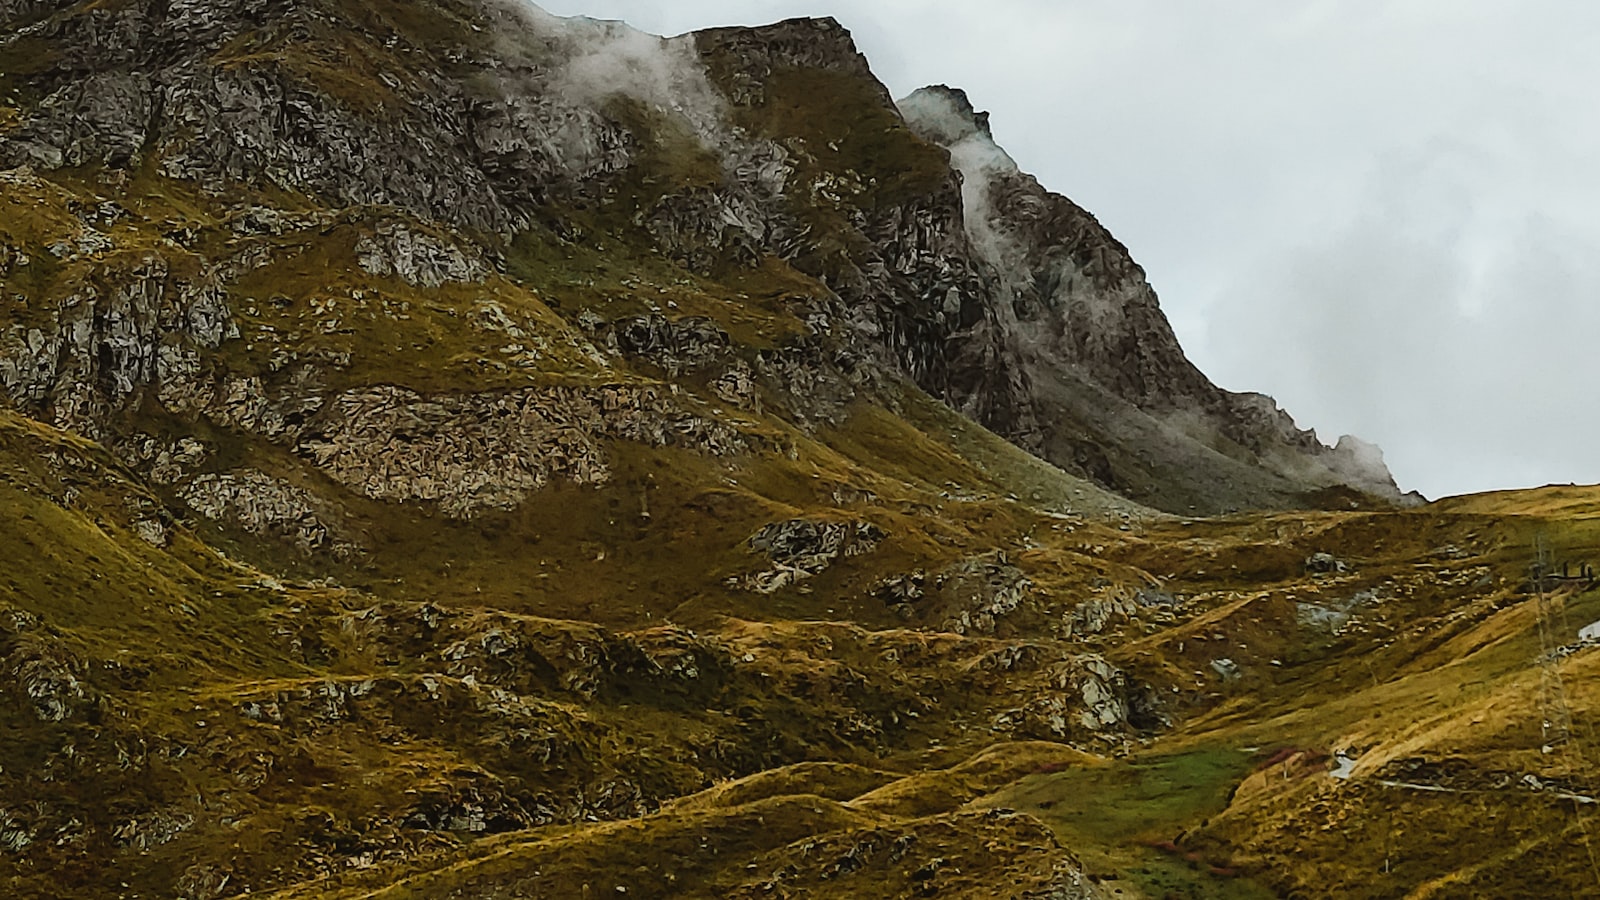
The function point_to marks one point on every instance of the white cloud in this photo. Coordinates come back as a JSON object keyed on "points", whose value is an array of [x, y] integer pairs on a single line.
{"points": [[1383, 213], [603, 59]]}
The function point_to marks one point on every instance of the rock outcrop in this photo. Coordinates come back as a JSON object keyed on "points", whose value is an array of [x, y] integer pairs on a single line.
{"points": [[801, 548], [471, 452]]}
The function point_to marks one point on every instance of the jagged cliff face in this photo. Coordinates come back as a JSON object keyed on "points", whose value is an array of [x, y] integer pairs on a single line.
{"points": [[460, 452], [1098, 361]]}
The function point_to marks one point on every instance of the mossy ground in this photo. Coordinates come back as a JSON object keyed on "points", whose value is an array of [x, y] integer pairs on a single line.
{"points": [[1125, 814]]}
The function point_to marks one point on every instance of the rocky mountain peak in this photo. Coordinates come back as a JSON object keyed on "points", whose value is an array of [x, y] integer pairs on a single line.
{"points": [[745, 58], [809, 43], [945, 115], [1080, 319], [927, 249]]}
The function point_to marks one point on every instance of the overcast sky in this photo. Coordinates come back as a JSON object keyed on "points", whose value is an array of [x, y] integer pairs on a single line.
{"points": [[1384, 214]]}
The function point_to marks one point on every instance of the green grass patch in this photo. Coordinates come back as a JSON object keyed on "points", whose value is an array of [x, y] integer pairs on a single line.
{"points": [[26, 58], [617, 274], [1115, 814], [1143, 798]]}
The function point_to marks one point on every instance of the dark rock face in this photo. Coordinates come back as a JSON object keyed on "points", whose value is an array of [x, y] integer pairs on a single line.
{"points": [[906, 279], [159, 78], [1080, 319], [756, 53], [679, 345]]}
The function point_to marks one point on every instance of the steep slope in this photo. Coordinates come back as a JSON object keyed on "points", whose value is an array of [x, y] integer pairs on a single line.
{"points": [[1116, 397], [587, 161]]}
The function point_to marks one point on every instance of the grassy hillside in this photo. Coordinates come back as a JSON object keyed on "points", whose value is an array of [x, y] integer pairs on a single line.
{"points": [[433, 539], [273, 733]]}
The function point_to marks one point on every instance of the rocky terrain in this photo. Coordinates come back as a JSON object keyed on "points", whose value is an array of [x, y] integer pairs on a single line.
{"points": [[447, 450]]}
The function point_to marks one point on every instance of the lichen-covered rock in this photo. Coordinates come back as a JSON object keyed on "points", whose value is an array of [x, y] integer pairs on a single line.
{"points": [[755, 53], [395, 248], [1323, 563], [1095, 615], [122, 329], [473, 452], [902, 592], [979, 593], [470, 809], [815, 382], [1084, 697], [264, 221], [101, 120], [704, 229], [163, 462], [263, 505], [801, 548], [676, 345], [532, 142], [737, 385], [38, 669]]}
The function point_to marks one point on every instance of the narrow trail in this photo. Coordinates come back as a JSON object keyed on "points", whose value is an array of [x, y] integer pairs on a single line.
{"points": [[1441, 789]]}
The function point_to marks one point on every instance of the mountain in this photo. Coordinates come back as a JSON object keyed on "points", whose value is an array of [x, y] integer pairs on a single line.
{"points": [[1108, 390], [456, 451], [769, 162]]}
